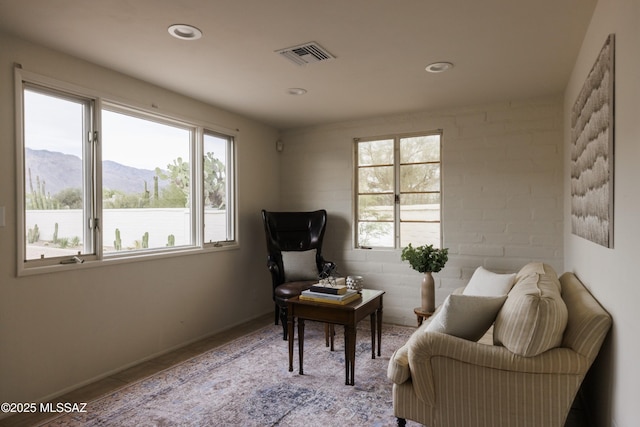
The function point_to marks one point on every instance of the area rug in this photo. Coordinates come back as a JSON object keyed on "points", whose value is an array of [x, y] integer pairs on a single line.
{"points": [[247, 383]]}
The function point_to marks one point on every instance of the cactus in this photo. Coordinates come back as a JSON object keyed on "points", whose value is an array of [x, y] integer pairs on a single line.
{"points": [[145, 240], [55, 233], [171, 240], [39, 198], [33, 235], [117, 244], [144, 202], [156, 191]]}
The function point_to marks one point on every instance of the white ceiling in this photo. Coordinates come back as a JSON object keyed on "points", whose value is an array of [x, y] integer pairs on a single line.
{"points": [[502, 50]]}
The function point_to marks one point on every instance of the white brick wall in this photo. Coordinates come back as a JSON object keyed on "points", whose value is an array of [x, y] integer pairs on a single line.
{"points": [[502, 193]]}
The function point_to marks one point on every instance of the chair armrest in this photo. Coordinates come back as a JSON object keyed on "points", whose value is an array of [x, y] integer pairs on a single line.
{"points": [[424, 346], [277, 278], [273, 267]]}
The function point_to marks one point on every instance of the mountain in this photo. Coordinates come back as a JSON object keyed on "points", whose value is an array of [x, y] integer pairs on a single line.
{"points": [[116, 176], [60, 171]]}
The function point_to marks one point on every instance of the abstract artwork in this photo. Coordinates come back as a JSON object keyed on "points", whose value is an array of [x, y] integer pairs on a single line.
{"points": [[592, 152]]}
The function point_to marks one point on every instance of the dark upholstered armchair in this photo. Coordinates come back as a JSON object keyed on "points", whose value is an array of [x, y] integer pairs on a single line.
{"points": [[294, 246]]}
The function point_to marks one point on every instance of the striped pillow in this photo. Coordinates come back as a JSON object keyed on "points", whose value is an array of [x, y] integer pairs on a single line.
{"points": [[534, 317]]}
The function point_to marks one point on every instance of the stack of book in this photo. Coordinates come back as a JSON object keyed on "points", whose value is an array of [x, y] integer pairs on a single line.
{"points": [[336, 294]]}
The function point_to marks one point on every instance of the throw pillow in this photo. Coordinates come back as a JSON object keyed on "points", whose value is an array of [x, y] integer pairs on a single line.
{"points": [[487, 283], [466, 316], [299, 265], [535, 316]]}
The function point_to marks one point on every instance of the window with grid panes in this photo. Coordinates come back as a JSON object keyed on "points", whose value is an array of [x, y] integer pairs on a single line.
{"points": [[398, 191]]}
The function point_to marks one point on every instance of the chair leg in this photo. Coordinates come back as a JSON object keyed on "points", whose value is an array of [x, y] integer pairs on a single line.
{"points": [[402, 422], [277, 311], [284, 320]]}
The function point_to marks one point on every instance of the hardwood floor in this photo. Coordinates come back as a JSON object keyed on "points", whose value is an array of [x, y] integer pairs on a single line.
{"points": [[138, 372]]}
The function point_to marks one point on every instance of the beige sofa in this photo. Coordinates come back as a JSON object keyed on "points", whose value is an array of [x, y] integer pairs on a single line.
{"points": [[525, 371]]}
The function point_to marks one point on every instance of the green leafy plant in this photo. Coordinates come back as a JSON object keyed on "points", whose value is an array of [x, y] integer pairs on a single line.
{"points": [[425, 258]]}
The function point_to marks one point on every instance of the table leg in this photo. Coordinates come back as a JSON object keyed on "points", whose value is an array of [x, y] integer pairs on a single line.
{"points": [[332, 331], [290, 324], [372, 316], [300, 343], [346, 356], [379, 319], [326, 335], [350, 354]]}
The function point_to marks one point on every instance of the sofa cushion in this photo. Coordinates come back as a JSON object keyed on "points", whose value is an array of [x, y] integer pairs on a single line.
{"points": [[466, 316], [487, 283], [299, 265], [534, 317]]}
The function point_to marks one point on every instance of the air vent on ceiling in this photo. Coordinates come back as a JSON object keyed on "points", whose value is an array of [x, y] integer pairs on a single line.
{"points": [[305, 54]]}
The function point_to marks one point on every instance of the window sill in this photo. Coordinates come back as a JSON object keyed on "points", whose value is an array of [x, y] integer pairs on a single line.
{"points": [[120, 259]]}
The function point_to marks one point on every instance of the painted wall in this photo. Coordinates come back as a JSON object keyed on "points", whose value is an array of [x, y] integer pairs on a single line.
{"points": [[502, 193], [611, 274], [59, 331]]}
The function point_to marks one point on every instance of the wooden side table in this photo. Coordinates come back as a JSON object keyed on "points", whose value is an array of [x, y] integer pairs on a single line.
{"points": [[333, 314], [421, 314]]}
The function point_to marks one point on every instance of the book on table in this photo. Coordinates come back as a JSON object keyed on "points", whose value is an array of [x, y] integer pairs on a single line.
{"points": [[349, 296], [329, 289]]}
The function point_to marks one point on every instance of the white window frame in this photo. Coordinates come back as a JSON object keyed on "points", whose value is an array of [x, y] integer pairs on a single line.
{"points": [[396, 187], [47, 85], [231, 220]]}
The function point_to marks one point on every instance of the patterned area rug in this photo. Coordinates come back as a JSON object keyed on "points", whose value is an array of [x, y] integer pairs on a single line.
{"points": [[247, 383]]}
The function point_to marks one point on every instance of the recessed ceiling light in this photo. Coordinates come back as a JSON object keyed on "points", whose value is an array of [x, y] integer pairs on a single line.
{"points": [[439, 67], [185, 32], [296, 91]]}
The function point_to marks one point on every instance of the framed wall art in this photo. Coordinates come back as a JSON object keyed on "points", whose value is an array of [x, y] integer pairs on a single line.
{"points": [[592, 152]]}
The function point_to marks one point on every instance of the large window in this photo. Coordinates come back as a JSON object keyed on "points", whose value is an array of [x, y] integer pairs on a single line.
{"points": [[101, 179], [145, 182], [398, 191]]}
